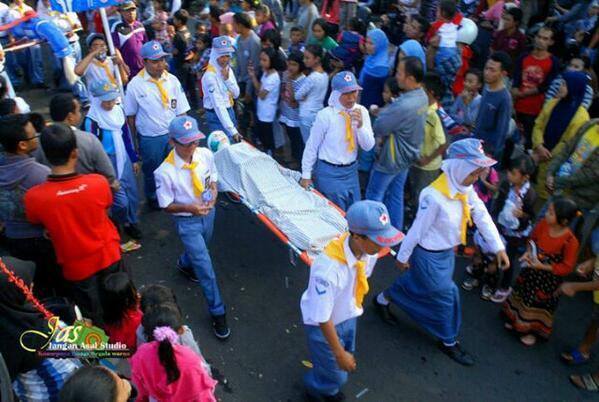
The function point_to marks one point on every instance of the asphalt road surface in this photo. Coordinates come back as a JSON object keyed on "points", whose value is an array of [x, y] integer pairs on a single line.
{"points": [[262, 359]]}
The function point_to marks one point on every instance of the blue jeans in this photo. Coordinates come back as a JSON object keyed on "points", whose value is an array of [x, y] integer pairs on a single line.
{"points": [[326, 378], [125, 202], [153, 151], [213, 123], [195, 233], [306, 123], [78, 87], [388, 188]]}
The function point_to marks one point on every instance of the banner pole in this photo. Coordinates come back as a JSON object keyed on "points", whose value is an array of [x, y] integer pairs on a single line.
{"points": [[112, 52]]}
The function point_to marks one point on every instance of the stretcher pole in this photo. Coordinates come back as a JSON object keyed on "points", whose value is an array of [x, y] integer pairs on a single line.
{"points": [[111, 51]]}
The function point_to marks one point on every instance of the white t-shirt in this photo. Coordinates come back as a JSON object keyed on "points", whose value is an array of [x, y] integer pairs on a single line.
{"points": [[311, 93], [267, 107], [331, 289]]}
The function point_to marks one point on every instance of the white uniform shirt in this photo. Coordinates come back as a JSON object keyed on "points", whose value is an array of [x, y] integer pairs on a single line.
{"points": [[174, 185], [143, 100], [439, 220], [216, 96], [327, 139], [5, 18], [93, 73], [267, 107], [331, 289]]}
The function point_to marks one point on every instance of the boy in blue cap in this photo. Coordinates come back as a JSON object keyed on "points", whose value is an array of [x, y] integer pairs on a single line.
{"points": [[333, 300], [426, 292], [154, 98], [186, 188], [332, 148]]}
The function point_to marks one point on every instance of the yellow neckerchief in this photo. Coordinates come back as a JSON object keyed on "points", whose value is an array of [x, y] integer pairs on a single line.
{"points": [[163, 94], [349, 132], [336, 251], [442, 185], [211, 68], [198, 186], [106, 68]]}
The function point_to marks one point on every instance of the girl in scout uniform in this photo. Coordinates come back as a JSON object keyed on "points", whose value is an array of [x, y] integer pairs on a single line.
{"points": [[333, 300], [332, 148], [427, 291], [220, 89], [186, 188]]}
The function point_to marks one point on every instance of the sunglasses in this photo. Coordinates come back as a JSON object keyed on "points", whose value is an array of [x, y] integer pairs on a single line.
{"points": [[31, 138]]}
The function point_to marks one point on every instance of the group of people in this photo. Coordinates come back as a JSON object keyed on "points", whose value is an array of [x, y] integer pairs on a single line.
{"points": [[467, 125]]}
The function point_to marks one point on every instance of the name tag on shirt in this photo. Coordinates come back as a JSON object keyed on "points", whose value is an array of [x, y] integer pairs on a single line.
{"points": [[173, 103]]}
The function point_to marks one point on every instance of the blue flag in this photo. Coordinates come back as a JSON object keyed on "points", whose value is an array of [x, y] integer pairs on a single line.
{"points": [[63, 6]]}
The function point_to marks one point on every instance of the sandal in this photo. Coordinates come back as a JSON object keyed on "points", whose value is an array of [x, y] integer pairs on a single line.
{"points": [[575, 357], [528, 340], [585, 382]]}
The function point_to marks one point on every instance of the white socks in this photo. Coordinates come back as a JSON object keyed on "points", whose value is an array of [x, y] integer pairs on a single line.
{"points": [[382, 300]]}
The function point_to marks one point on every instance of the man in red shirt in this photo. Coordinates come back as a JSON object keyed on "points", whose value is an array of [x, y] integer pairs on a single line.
{"points": [[510, 39], [532, 76], [73, 209]]}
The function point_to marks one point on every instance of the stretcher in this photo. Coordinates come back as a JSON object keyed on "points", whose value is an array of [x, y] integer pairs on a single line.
{"points": [[305, 221]]}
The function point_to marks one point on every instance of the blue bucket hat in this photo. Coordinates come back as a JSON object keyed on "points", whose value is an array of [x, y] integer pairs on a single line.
{"points": [[184, 129], [371, 219], [345, 81], [152, 50], [223, 45], [104, 90], [92, 37], [471, 150]]}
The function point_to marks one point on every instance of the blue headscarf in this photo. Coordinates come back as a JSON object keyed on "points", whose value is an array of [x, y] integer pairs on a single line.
{"points": [[566, 108], [377, 64], [412, 47]]}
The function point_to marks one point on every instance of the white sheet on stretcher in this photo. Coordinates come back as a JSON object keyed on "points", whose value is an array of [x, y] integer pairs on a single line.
{"points": [[306, 218]]}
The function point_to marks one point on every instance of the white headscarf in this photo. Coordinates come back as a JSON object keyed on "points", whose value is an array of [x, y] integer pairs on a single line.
{"points": [[335, 103], [112, 121], [457, 170]]}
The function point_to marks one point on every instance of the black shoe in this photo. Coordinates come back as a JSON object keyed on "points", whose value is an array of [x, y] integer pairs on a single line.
{"points": [[338, 397], [219, 325], [132, 230], [188, 272], [385, 312], [457, 354], [40, 86]]}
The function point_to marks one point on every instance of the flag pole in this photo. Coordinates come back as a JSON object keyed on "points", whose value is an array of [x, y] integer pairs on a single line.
{"points": [[107, 34]]}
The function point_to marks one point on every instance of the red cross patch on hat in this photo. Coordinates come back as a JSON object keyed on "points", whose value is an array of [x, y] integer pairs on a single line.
{"points": [[187, 125], [347, 77], [224, 42], [384, 219], [156, 46]]}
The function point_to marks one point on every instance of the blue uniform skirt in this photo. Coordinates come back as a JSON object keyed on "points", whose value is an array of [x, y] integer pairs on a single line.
{"points": [[427, 293], [339, 184]]}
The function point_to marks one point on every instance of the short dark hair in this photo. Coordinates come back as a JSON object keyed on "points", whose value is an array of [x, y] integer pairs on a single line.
{"points": [[423, 22], [58, 142], [358, 25], [523, 164], [316, 50], [273, 36], [432, 82], [586, 60], [516, 14], [206, 39], [502, 58], [8, 106], [12, 131], [182, 15], [296, 28], [243, 19], [89, 384], [393, 86], [323, 24], [156, 295], [215, 12], [38, 121], [477, 73], [565, 209], [297, 57], [448, 8], [548, 28], [61, 105], [413, 67]]}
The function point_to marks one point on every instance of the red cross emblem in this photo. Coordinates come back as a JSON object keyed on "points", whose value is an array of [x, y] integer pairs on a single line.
{"points": [[224, 42], [347, 77], [384, 219], [187, 125], [156, 46]]}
